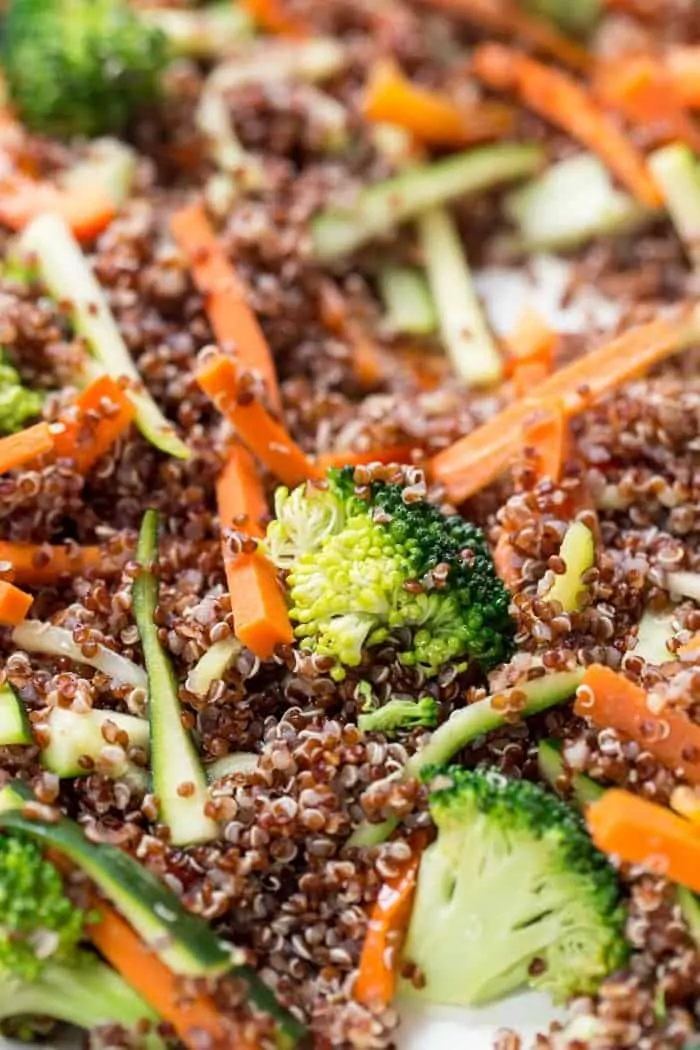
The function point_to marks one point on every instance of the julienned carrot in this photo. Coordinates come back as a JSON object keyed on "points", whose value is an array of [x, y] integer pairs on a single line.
{"points": [[563, 101], [265, 437], [508, 18], [353, 458], [612, 701], [97, 418], [376, 978], [477, 459], [532, 344], [87, 210], [642, 90], [14, 604], [40, 565], [193, 1015], [239, 495], [506, 562], [18, 449], [431, 116], [640, 832], [683, 65], [367, 362], [231, 317], [548, 437], [273, 16]]}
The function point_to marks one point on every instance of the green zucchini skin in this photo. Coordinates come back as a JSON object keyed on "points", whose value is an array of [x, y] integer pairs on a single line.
{"points": [[14, 724]]}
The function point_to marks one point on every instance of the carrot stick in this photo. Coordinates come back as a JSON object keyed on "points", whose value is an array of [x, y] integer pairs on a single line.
{"points": [[644, 92], [272, 16], [548, 437], [352, 458], [683, 65], [97, 418], [367, 363], [267, 438], [641, 832], [191, 1014], [14, 604], [610, 700], [477, 459], [87, 210], [18, 449], [508, 18], [239, 494], [231, 317], [505, 561], [40, 565], [376, 978], [690, 647], [430, 116], [532, 344], [563, 101]]}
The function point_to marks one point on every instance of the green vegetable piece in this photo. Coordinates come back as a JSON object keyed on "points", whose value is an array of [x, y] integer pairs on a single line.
{"points": [[584, 790], [228, 765], [465, 725], [80, 67], [14, 724], [400, 715], [512, 893], [571, 203], [465, 333], [174, 758], [677, 174], [653, 635], [49, 243], [206, 32], [74, 736], [380, 208], [578, 554], [409, 306], [18, 404], [183, 941], [213, 665], [690, 907], [579, 17]]}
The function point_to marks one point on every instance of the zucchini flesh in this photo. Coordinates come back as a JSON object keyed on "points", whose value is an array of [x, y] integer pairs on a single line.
{"points": [[75, 735], [14, 724], [551, 766], [183, 941], [655, 632], [579, 16], [174, 758], [578, 554], [379, 209], [677, 174], [407, 300]]}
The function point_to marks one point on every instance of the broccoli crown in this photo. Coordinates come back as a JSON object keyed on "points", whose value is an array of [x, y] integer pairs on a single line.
{"points": [[79, 67], [363, 563], [17, 403], [511, 893], [400, 714], [38, 921]]}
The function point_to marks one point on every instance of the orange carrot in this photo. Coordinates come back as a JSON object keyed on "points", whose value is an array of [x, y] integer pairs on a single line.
{"points": [[643, 91], [376, 978], [641, 832], [41, 565], [430, 116], [87, 210], [506, 562], [18, 449], [548, 437], [477, 459], [532, 344], [14, 604], [267, 438], [683, 65], [691, 647], [273, 17], [352, 458], [368, 365], [260, 614], [191, 1014], [565, 102], [239, 494], [610, 700], [99, 415], [231, 317], [508, 18]]}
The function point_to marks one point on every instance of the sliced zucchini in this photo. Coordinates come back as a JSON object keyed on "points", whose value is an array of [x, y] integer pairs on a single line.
{"points": [[571, 203], [179, 780], [677, 173], [690, 907], [77, 735], [183, 941], [409, 306], [49, 243], [14, 724], [380, 208], [584, 790], [213, 665], [227, 765], [654, 633], [579, 16], [578, 554]]}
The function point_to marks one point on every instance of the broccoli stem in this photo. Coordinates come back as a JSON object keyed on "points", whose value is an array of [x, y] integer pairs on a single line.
{"points": [[49, 243], [399, 714], [463, 327], [464, 726], [677, 174], [407, 300]]}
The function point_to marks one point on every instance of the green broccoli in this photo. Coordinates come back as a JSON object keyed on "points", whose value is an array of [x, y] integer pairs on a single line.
{"points": [[80, 67], [43, 970], [400, 714], [364, 563], [17, 402], [511, 893]]}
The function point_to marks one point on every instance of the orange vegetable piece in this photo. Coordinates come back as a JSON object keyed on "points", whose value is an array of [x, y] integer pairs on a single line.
{"points": [[352, 458], [506, 561], [14, 604], [21, 448], [260, 614], [548, 436], [683, 65], [87, 210], [40, 564], [273, 17], [88, 432], [239, 494], [532, 344]]}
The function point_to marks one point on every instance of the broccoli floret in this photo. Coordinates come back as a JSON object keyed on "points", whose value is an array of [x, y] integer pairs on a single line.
{"points": [[43, 970], [365, 563], [80, 67], [511, 893], [17, 402], [400, 714]]}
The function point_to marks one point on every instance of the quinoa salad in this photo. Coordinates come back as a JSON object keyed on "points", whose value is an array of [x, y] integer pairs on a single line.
{"points": [[349, 601]]}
